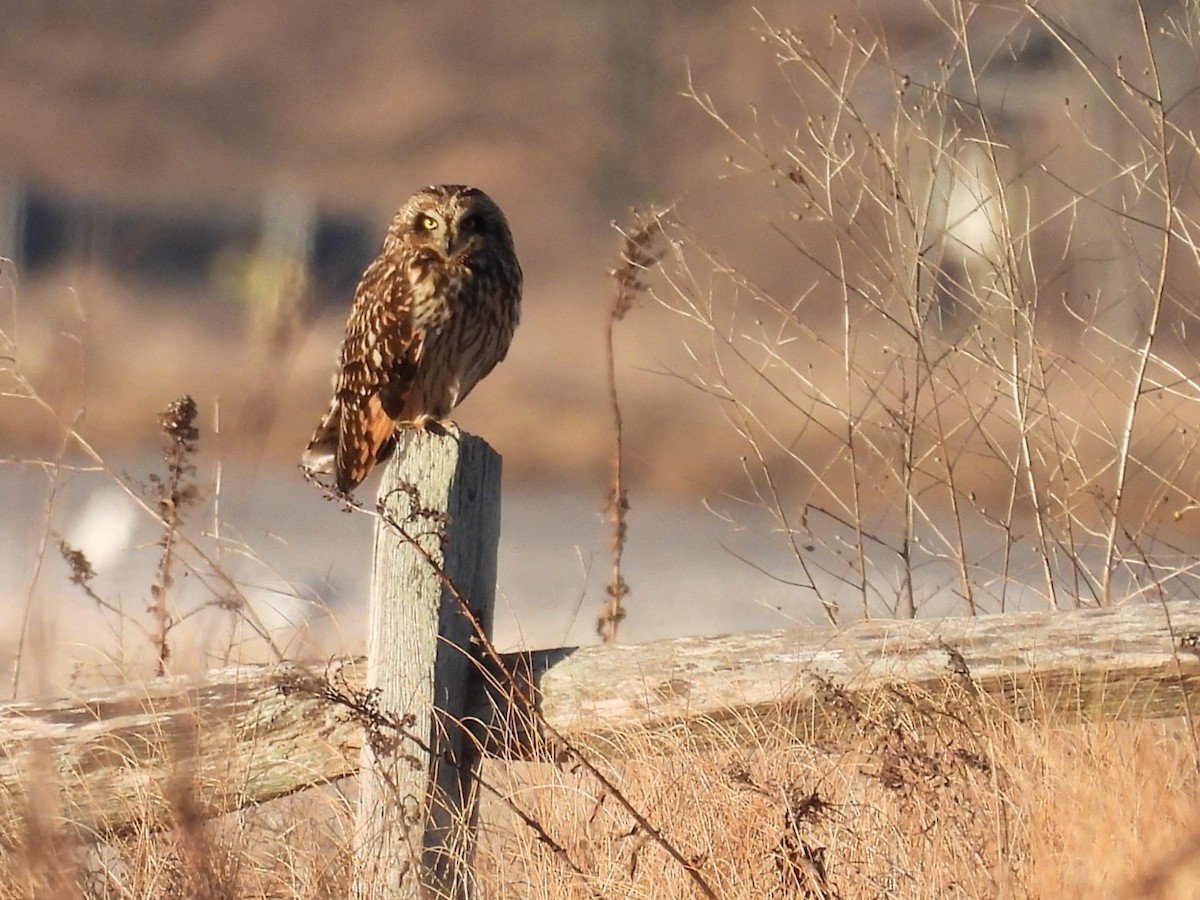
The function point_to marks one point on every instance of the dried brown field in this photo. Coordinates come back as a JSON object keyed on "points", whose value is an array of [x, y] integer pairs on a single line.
{"points": [[920, 800]]}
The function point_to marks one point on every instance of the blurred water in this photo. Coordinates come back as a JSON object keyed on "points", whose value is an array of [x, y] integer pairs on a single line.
{"points": [[296, 555], [300, 559]]}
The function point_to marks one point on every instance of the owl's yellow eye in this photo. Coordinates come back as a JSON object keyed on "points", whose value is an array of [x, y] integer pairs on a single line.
{"points": [[428, 223]]}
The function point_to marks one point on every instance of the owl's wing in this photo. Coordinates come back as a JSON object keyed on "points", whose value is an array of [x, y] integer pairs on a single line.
{"points": [[379, 364]]}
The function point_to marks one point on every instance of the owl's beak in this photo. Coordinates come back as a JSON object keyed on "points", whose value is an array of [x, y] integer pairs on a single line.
{"points": [[458, 244]]}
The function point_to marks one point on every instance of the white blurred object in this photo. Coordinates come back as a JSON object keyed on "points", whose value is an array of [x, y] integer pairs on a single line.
{"points": [[104, 528]]}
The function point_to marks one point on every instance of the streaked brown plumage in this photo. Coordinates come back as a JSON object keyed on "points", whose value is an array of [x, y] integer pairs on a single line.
{"points": [[432, 315]]}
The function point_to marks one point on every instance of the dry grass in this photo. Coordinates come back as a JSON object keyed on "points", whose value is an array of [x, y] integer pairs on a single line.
{"points": [[923, 800], [914, 807], [289, 849]]}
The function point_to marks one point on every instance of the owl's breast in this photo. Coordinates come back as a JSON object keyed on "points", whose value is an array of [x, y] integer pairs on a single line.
{"points": [[435, 293]]}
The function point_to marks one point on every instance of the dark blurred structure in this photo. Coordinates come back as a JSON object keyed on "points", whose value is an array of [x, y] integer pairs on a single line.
{"points": [[181, 246]]}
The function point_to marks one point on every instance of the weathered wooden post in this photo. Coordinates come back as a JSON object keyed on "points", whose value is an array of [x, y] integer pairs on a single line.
{"points": [[418, 803]]}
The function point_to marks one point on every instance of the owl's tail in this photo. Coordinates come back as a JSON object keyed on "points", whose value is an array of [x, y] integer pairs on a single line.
{"points": [[320, 456], [365, 438]]}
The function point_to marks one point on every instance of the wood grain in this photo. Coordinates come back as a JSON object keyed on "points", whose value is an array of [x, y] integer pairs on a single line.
{"points": [[417, 797]]}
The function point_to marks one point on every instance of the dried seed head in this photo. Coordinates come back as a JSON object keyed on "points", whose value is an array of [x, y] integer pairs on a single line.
{"points": [[178, 420]]}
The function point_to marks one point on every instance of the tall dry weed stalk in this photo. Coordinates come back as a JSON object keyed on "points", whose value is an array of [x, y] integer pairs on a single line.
{"points": [[176, 493], [638, 255]]}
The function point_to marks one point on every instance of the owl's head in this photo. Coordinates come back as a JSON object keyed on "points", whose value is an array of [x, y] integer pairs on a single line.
{"points": [[452, 220]]}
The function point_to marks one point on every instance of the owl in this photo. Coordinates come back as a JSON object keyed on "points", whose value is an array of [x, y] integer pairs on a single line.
{"points": [[432, 315]]}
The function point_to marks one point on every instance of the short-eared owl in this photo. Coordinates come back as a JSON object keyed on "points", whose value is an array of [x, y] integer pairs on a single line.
{"points": [[432, 315]]}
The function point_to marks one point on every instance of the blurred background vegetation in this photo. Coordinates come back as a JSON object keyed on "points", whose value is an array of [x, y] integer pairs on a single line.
{"points": [[190, 188], [926, 262], [203, 182]]}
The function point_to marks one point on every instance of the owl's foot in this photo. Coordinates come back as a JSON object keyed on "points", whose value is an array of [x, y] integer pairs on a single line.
{"points": [[435, 425]]}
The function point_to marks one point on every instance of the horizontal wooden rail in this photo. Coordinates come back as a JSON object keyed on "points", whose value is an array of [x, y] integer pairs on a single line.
{"points": [[110, 762]]}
